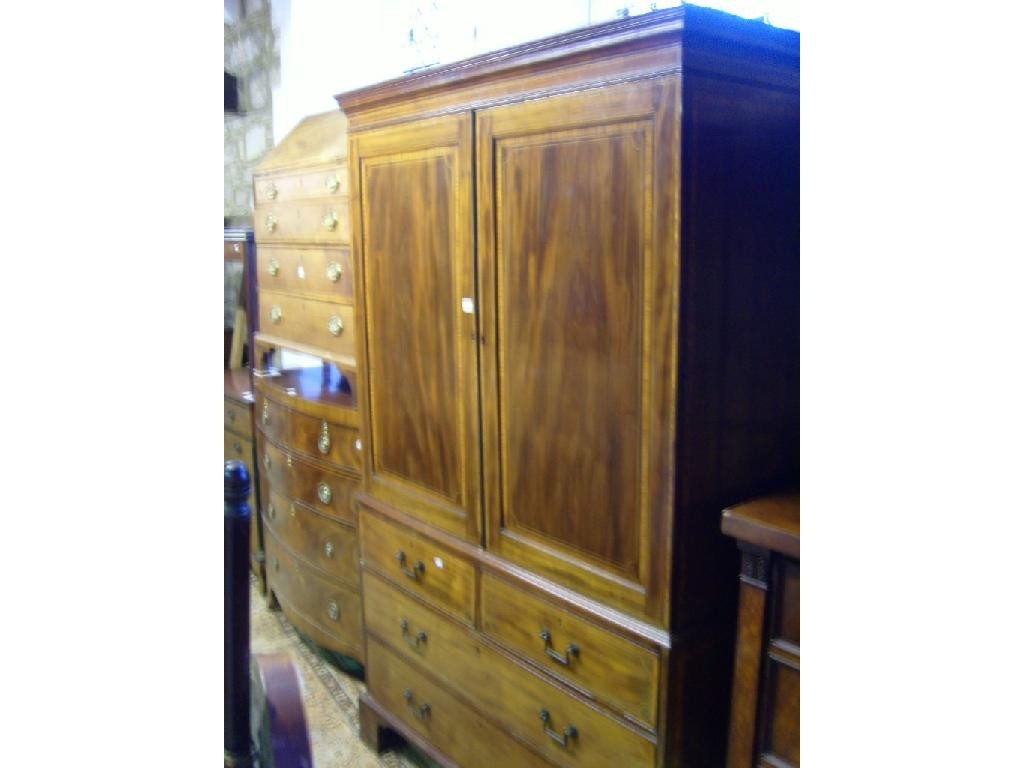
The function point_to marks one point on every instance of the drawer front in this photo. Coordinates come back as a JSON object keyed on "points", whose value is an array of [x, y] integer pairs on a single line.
{"points": [[607, 666], [422, 567], [313, 221], [326, 492], [238, 417], [240, 449], [428, 709], [306, 270], [328, 545], [312, 322], [332, 608], [282, 187], [317, 438], [573, 732]]}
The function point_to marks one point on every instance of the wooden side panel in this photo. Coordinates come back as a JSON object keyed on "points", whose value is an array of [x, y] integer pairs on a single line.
{"points": [[413, 247], [578, 266]]}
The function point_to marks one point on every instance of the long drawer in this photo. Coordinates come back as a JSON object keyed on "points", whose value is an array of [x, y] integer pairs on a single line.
{"points": [[284, 186], [605, 665], [306, 270], [561, 726], [330, 546], [310, 221], [324, 324], [427, 708], [329, 493], [333, 609], [307, 435], [439, 576]]}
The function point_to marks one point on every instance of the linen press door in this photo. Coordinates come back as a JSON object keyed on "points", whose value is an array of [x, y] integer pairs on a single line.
{"points": [[413, 202], [578, 254]]}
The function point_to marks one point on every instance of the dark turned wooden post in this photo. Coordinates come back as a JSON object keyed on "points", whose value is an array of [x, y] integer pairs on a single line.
{"points": [[238, 749]]}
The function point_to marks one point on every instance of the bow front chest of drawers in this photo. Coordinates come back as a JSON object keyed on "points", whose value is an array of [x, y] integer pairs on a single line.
{"points": [[307, 424], [576, 267]]}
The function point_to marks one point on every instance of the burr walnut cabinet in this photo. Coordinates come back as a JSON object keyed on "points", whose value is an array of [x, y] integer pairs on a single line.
{"points": [[576, 271], [307, 425]]}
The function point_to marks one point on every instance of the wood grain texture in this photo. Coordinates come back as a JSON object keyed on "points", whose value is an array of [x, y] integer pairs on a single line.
{"points": [[307, 320], [330, 181], [314, 221], [746, 677], [308, 436], [325, 393], [307, 270], [772, 522], [316, 140], [304, 481], [413, 251]]}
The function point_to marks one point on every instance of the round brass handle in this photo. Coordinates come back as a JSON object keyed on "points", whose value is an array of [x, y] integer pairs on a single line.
{"points": [[335, 326], [275, 315], [274, 267], [323, 492], [324, 443], [271, 190], [271, 223], [333, 183], [333, 271], [358, 444], [330, 221], [329, 549], [332, 610], [266, 461], [271, 512], [266, 414]]}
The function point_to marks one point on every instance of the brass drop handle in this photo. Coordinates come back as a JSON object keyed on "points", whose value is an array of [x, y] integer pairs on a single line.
{"points": [[329, 549], [323, 492], [572, 650], [265, 416], [323, 444], [335, 326], [274, 267], [330, 221], [415, 571], [266, 461], [561, 739], [333, 183], [271, 223], [334, 271], [332, 610], [271, 512], [275, 315], [271, 190], [412, 641], [419, 712]]}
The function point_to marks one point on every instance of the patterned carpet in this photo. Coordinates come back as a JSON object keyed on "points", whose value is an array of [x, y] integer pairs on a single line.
{"points": [[330, 696]]}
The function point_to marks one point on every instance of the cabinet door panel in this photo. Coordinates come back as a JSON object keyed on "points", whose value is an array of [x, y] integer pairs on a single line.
{"points": [[578, 265], [414, 250]]}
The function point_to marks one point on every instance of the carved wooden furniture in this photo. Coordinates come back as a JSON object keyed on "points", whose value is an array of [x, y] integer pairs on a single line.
{"points": [[308, 438], [765, 720], [577, 294], [238, 445]]}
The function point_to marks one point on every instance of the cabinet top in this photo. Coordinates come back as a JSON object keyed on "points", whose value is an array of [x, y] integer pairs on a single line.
{"points": [[709, 30], [770, 521], [316, 140]]}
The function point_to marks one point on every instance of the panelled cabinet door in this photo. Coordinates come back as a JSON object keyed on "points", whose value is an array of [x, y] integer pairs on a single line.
{"points": [[413, 240], [578, 254]]}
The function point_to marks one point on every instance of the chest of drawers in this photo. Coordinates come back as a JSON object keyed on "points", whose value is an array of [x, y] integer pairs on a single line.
{"points": [[307, 435], [239, 445]]}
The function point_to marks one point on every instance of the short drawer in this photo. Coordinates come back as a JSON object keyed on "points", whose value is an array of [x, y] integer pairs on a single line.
{"points": [[329, 493], [330, 546], [238, 417], [330, 607], [317, 438], [282, 187], [306, 270], [239, 448], [428, 709], [312, 221], [312, 322], [607, 666], [557, 723], [424, 568]]}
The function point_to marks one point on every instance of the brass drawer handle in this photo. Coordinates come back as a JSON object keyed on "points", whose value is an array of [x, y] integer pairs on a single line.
{"points": [[323, 444], [328, 549], [334, 271], [358, 444], [416, 570], [330, 221], [419, 712], [275, 315], [323, 492], [265, 417], [271, 512], [271, 223], [332, 610], [335, 326], [266, 461], [274, 267], [277, 564], [238, 447], [561, 739], [333, 183], [412, 641], [231, 416], [572, 650], [271, 190]]}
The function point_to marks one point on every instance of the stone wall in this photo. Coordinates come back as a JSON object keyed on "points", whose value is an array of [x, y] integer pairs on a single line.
{"points": [[252, 54]]}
